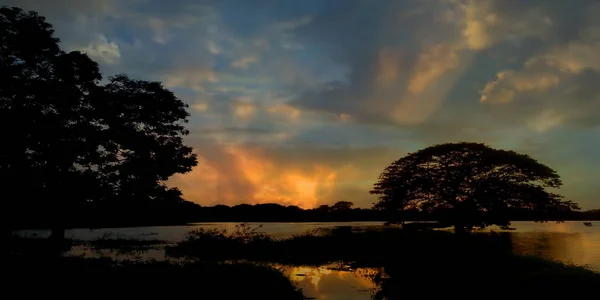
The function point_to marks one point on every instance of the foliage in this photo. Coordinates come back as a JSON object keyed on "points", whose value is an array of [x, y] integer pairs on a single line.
{"points": [[243, 234], [44, 107], [221, 243], [470, 184], [143, 125], [342, 205], [74, 140]]}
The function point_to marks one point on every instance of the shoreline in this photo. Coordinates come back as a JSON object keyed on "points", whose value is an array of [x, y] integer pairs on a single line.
{"points": [[254, 222]]}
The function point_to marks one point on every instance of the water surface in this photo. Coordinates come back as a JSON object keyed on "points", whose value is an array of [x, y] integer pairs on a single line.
{"points": [[570, 242]]}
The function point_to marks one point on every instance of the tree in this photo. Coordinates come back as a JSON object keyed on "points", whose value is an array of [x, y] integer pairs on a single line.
{"points": [[470, 184], [72, 142], [323, 208], [342, 205]]}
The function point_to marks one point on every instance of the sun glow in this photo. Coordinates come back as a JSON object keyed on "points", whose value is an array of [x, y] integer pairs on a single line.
{"points": [[254, 178]]}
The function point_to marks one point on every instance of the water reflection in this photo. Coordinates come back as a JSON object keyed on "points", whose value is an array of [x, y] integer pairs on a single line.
{"points": [[177, 233], [576, 248], [334, 281], [570, 242], [152, 252]]}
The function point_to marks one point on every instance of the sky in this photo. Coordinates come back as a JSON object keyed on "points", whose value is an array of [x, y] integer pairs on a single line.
{"points": [[305, 102]]}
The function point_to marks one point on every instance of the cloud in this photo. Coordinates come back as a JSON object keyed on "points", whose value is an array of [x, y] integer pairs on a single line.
{"points": [[158, 26], [104, 51], [431, 64], [388, 68], [192, 78], [304, 177], [293, 24], [200, 107], [286, 111], [509, 83], [244, 62], [546, 120], [213, 47], [488, 22], [250, 177], [243, 110], [552, 88], [574, 57], [306, 103]]}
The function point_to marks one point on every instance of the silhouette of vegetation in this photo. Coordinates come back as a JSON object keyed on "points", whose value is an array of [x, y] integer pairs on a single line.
{"points": [[310, 248], [342, 205], [470, 185], [589, 215], [409, 258], [222, 243], [184, 212], [76, 143]]}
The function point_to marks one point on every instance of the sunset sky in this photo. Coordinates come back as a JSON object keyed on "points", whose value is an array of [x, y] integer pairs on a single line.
{"points": [[305, 102]]}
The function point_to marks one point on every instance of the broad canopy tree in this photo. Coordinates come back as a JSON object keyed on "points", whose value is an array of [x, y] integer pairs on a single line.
{"points": [[71, 141], [468, 185]]}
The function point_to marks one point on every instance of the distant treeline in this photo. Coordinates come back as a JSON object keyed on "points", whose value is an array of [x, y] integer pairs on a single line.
{"points": [[182, 212]]}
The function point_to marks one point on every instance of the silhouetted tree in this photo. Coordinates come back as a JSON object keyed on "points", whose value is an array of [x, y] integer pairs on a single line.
{"points": [[323, 208], [342, 205], [72, 142], [470, 184], [141, 136]]}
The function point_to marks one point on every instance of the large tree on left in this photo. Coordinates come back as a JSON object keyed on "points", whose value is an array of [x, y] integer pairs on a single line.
{"points": [[69, 141]]}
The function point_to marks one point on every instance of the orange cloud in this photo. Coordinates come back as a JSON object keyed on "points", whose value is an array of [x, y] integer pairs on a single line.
{"points": [[433, 74], [244, 111], [388, 66], [432, 63], [247, 176], [285, 110]]}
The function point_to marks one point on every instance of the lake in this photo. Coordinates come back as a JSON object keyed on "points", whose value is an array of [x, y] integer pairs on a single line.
{"points": [[570, 242]]}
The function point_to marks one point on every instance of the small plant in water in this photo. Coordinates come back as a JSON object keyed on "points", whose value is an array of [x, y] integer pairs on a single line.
{"points": [[243, 233], [221, 243]]}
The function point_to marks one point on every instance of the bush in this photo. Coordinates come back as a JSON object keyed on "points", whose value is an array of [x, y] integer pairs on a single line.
{"points": [[217, 244]]}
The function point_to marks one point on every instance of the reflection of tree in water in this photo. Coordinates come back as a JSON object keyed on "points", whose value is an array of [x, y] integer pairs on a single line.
{"points": [[562, 246]]}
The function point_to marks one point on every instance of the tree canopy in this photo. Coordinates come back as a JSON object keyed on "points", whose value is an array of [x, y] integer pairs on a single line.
{"points": [[470, 184], [71, 140], [342, 205]]}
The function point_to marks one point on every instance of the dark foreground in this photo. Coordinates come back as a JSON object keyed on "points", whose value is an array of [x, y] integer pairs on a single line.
{"points": [[216, 264], [76, 277]]}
